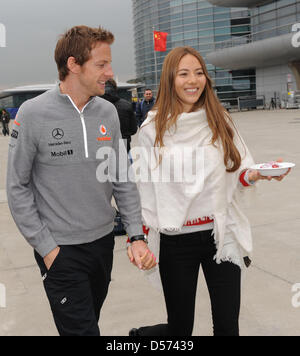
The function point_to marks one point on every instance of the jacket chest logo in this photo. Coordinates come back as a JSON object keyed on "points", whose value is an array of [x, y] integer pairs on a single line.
{"points": [[104, 134], [103, 130], [58, 134]]}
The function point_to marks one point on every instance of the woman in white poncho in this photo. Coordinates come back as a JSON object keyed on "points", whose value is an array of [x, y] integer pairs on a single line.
{"points": [[190, 200]]}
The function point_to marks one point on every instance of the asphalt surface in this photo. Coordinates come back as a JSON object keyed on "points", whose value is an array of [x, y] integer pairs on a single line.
{"points": [[270, 302]]}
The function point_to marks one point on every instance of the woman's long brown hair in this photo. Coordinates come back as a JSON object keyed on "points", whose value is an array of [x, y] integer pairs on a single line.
{"points": [[169, 107]]}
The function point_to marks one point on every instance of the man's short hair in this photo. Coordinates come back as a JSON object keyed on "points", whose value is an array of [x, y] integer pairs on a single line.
{"points": [[78, 42], [147, 90]]}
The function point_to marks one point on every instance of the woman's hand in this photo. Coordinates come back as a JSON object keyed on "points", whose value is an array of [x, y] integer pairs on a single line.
{"points": [[140, 255], [254, 175]]}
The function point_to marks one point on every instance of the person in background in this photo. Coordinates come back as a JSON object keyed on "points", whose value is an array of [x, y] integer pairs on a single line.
{"points": [[144, 106], [128, 128], [124, 108], [5, 118]]}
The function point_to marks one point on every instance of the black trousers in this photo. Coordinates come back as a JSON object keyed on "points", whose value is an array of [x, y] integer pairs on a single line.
{"points": [[77, 284], [5, 128], [180, 260]]}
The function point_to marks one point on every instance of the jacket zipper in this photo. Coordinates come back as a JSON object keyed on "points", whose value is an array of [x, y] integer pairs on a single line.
{"points": [[84, 135], [86, 150]]}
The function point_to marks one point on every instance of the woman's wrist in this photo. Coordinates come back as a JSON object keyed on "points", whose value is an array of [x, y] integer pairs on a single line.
{"points": [[252, 176]]}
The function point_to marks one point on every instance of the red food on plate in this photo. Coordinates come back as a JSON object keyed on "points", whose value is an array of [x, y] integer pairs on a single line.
{"points": [[270, 165]]}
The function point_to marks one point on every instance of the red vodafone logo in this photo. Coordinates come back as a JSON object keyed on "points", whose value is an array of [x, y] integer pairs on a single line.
{"points": [[103, 130], [104, 134]]}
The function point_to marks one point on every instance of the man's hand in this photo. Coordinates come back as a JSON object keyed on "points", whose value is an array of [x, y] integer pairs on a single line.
{"points": [[50, 258], [140, 255]]}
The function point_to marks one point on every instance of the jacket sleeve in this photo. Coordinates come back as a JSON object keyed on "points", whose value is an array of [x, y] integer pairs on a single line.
{"points": [[132, 120], [125, 190], [21, 157], [139, 114], [7, 117]]}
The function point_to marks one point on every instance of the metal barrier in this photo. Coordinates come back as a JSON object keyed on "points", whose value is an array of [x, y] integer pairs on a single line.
{"points": [[251, 102]]}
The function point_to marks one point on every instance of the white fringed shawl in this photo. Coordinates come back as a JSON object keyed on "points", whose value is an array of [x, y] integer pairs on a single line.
{"points": [[167, 205]]}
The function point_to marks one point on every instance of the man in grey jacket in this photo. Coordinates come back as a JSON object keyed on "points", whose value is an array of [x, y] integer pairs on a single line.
{"points": [[59, 203]]}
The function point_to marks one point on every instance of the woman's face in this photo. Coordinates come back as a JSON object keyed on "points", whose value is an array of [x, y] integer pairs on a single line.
{"points": [[190, 81]]}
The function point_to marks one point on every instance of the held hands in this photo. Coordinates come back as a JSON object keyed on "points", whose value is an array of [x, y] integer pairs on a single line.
{"points": [[140, 255], [255, 176]]}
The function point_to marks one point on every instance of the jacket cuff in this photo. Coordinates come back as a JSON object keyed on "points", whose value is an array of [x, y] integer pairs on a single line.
{"points": [[45, 243], [134, 230], [244, 179], [146, 230]]}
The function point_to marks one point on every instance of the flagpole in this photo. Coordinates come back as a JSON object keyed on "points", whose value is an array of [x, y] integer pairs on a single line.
{"points": [[155, 60]]}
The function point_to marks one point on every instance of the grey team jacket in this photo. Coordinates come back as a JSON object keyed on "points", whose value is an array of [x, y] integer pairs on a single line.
{"points": [[53, 193]]}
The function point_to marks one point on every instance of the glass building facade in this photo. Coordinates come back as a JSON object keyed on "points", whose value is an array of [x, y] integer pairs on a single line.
{"points": [[198, 24], [274, 19], [267, 21], [268, 48]]}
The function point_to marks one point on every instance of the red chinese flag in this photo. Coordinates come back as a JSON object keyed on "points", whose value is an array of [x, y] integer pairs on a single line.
{"points": [[160, 41]]}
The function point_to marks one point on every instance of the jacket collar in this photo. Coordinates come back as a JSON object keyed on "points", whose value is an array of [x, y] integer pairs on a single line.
{"points": [[67, 97]]}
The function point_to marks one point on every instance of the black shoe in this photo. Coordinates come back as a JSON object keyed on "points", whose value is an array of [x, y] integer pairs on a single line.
{"points": [[134, 332]]}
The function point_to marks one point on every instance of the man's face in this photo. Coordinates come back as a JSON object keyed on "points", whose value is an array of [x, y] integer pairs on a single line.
{"points": [[148, 95], [96, 71]]}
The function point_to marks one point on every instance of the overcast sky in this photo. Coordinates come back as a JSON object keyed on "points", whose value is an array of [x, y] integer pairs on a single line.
{"points": [[33, 28]]}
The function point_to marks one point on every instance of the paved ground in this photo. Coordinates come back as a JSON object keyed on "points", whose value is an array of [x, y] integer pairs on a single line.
{"points": [[267, 287]]}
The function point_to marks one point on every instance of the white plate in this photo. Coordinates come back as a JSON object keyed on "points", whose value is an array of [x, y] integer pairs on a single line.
{"points": [[273, 172]]}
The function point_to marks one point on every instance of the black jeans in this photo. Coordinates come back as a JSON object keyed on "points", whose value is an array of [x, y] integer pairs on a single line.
{"points": [[77, 284], [5, 128], [180, 260]]}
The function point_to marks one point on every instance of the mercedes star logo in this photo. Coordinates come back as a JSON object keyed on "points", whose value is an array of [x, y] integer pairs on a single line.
{"points": [[58, 134]]}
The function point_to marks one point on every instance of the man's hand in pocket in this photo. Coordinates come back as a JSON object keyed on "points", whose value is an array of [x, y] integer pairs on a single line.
{"points": [[50, 258]]}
